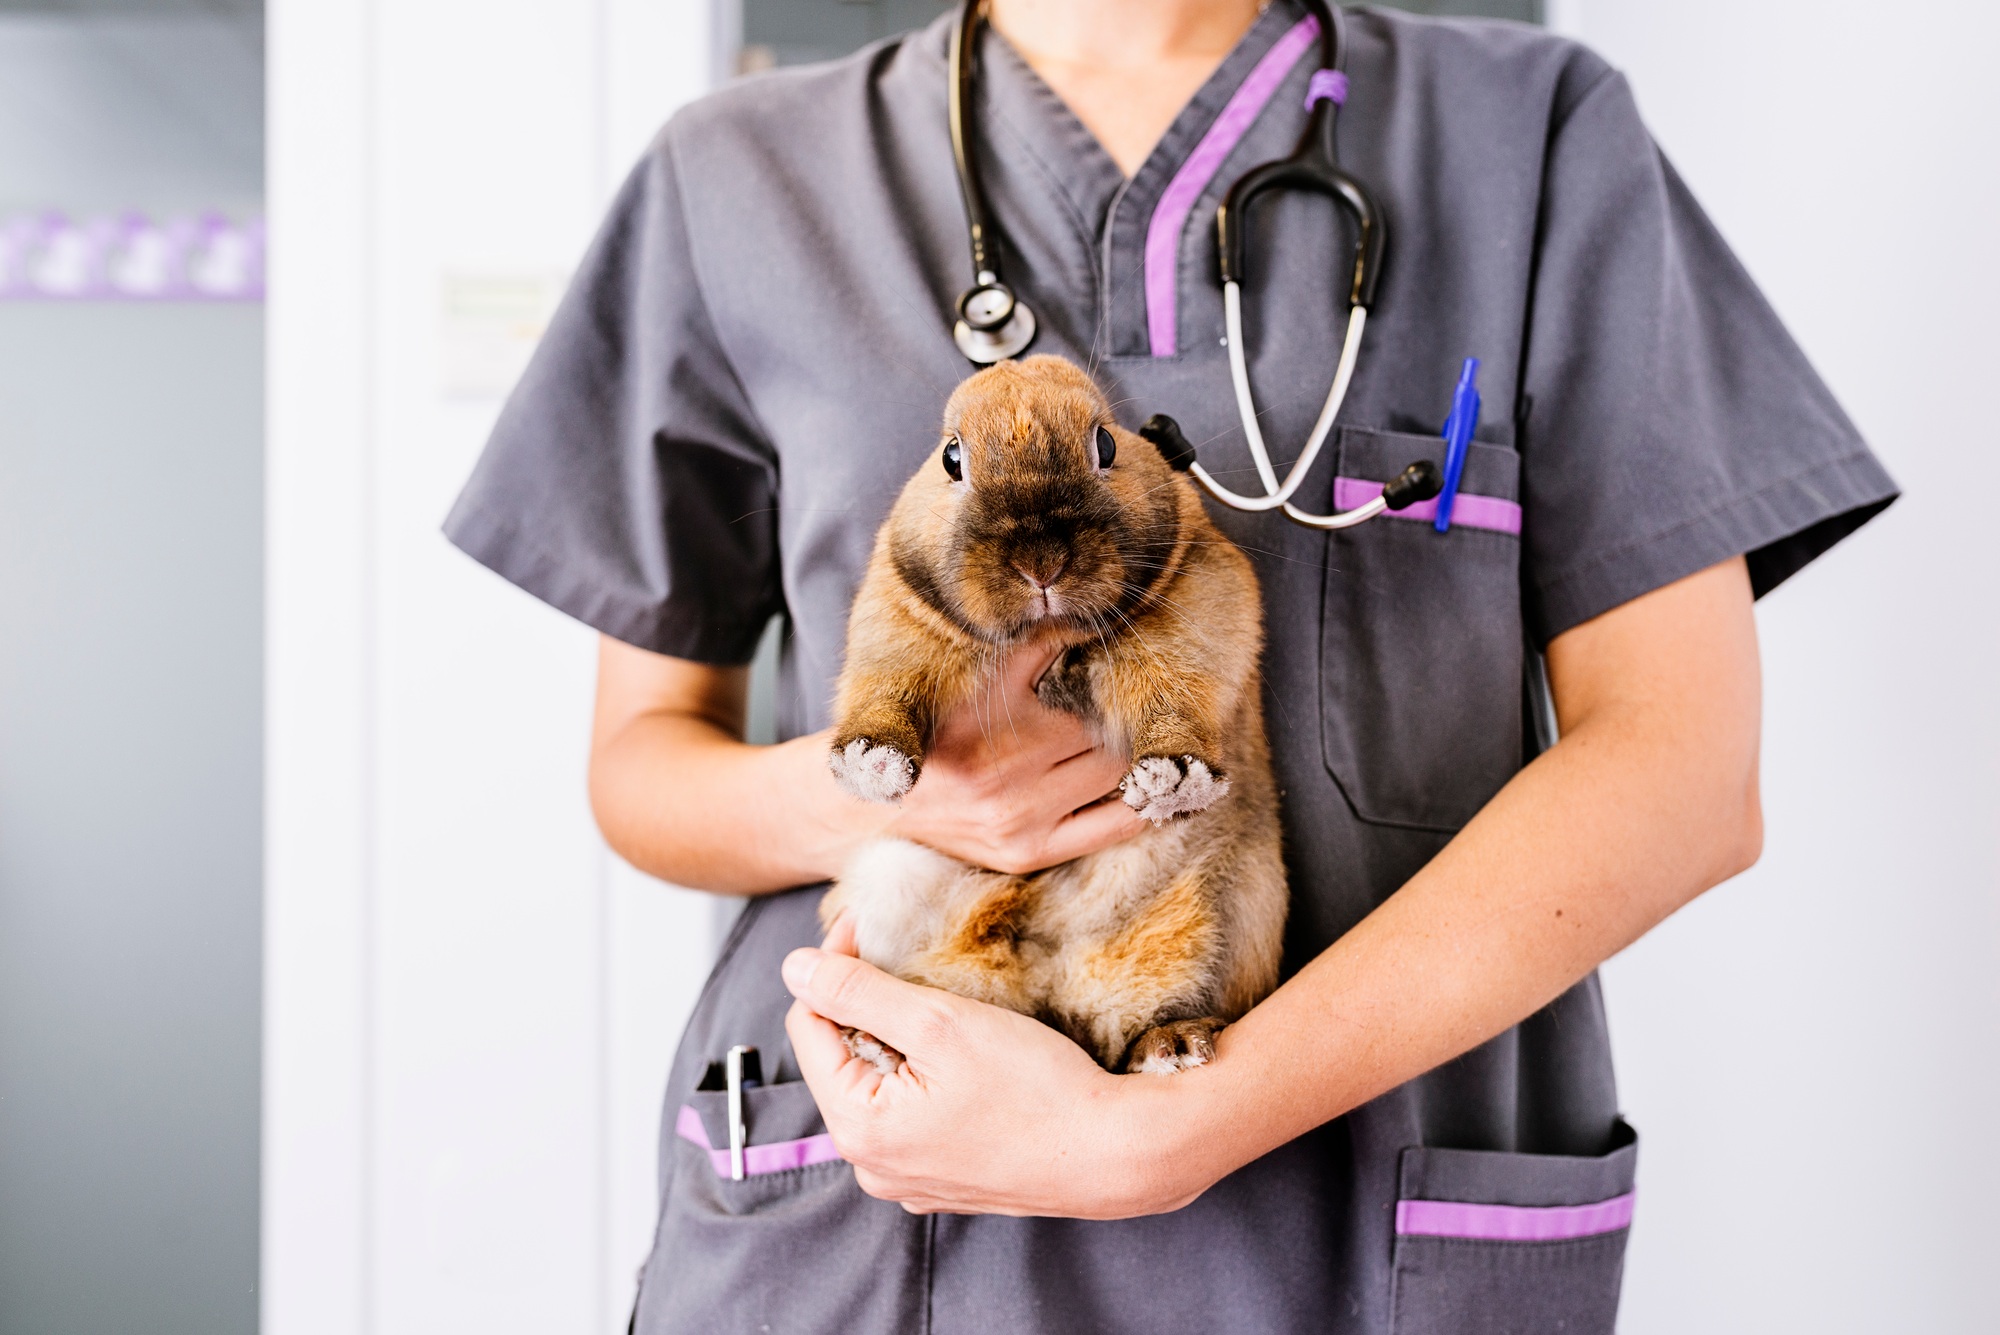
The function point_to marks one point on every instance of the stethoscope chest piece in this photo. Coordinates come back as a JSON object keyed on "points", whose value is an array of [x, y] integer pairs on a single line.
{"points": [[993, 324]]}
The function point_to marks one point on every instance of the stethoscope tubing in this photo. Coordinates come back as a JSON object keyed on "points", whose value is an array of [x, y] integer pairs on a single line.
{"points": [[994, 324], [1278, 494]]}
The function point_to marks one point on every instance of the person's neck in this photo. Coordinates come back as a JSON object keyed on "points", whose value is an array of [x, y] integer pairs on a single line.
{"points": [[1125, 67]]}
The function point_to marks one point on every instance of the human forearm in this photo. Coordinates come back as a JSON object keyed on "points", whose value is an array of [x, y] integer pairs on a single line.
{"points": [[1578, 858], [1649, 799], [679, 797], [678, 793]]}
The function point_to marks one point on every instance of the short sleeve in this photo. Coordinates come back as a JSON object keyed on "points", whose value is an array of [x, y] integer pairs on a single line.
{"points": [[1671, 422], [627, 482]]}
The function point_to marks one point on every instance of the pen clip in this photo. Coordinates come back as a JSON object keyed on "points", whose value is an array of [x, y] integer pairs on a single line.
{"points": [[734, 1067], [742, 1069]]}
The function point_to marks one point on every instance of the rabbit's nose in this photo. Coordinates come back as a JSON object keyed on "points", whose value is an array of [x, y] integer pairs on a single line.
{"points": [[1042, 572]]}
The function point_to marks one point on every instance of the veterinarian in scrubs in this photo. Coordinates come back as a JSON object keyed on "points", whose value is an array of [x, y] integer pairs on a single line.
{"points": [[1419, 1132]]}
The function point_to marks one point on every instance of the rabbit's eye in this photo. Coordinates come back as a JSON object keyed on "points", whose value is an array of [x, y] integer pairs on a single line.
{"points": [[954, 460], [1107, 448]]}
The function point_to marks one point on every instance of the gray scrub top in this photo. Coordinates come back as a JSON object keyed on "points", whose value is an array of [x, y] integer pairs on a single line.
{"points": [[754, 357]]}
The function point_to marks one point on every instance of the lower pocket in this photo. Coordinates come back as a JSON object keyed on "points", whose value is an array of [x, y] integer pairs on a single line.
{"points": [[1508, 1244], [795, 1246]]}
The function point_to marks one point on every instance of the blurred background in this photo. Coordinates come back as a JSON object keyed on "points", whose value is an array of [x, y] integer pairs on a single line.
{"points": [[131, 663], [322, 1006]]}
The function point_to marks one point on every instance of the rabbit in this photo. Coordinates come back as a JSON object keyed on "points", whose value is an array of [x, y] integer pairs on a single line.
{"points": [[1039, 518]]}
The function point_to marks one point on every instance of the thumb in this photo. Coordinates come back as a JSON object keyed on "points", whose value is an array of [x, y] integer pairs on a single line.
{"points": [[840, 937], [843, 989]]}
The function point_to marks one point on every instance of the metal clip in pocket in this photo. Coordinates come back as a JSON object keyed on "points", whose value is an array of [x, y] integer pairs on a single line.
{"points": [[744, 1069]]}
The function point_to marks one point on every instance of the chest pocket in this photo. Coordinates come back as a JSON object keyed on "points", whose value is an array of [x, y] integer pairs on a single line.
{"points": [[1421, 650]]}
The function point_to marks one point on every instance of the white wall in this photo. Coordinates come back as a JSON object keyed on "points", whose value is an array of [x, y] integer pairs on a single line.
{"points": [[469, 1006], [1810, 1052], [104, 111]]}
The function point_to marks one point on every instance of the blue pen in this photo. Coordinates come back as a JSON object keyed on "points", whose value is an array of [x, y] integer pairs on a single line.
{"points": [[1458, 439]]}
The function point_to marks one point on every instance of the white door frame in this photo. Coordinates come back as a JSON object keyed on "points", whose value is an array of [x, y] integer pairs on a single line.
{"points": [[469, 1004]]}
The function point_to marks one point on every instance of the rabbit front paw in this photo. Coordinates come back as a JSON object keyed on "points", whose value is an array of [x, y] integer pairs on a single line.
{"points": [[871, 771], [1163, 787]]}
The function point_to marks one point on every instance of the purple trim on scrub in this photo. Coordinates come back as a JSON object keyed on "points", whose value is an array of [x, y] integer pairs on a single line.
{"points": [[1163, 232], [757, 1159], [1487, 512], [1327, 86], [1513, 1223]]}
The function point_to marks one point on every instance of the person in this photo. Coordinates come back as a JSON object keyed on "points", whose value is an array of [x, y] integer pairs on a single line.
{"points": [[1419, 1130]]}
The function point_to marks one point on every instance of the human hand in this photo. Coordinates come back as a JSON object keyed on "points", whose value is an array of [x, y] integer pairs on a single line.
{"points": [[1012, 785], [991, 1113]]}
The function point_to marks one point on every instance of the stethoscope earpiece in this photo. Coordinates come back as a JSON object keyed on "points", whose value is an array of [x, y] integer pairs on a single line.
{"points": [[1165, 434], [1420, 482]]}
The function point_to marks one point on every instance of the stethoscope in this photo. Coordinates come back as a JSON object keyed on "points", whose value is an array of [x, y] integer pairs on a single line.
{"points": [[994, 324]]}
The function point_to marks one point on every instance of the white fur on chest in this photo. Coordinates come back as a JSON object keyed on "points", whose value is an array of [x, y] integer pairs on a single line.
{"points": [[903, 896], [905, 899]]}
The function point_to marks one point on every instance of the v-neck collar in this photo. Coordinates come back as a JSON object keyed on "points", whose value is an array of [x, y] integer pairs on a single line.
{"points": [[999, 55], [1043, 125], [1194, 120], [1021, 114]]}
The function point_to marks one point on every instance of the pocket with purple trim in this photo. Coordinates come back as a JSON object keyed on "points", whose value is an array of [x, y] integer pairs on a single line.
{"points": [[759, 1158], [1512, 1223], [1421, 649], [1495, 514], [782, 1127], [795, 1246], [1492, 1242]]}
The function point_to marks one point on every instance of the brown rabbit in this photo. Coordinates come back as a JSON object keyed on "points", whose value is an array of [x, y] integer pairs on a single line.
{"points": [[1039, 518]]}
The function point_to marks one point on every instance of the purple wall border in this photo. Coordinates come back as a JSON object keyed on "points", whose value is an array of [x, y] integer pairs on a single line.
{"points": [[131, 257]]}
